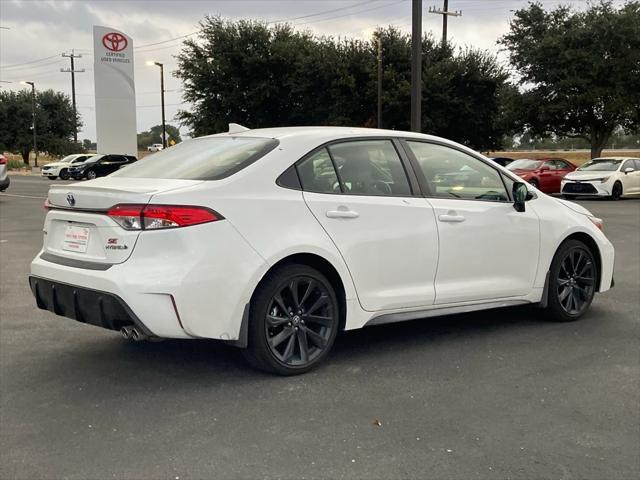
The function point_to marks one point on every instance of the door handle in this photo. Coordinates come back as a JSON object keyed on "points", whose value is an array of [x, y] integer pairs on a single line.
{"points": [[342, 214], [451, 217]]}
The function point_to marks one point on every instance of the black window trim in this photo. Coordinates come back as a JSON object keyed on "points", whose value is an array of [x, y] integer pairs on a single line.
{"points": [[404, 161], [424, 186]]}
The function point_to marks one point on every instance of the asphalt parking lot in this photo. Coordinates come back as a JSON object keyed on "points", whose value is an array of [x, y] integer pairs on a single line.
{"points": [[498, 394]]}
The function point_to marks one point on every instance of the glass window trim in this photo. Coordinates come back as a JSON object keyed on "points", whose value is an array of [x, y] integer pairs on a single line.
{"points": [[424, 186]]}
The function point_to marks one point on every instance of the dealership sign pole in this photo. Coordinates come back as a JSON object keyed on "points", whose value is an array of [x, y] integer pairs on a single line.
{"points": [[115, 91]]}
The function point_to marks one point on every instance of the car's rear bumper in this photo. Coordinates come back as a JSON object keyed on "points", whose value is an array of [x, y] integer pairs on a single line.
{"points": [[178, 283], [4, 183], [85, 305]]}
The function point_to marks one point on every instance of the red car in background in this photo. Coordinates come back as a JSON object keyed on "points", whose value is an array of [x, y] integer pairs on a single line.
{"points": [[543, 173]]}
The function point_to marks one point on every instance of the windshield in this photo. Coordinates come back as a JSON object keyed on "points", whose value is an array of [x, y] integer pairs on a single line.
{"points": [[68, 158], [524, 164], [601, 165], [206, 158], [94, 158]]}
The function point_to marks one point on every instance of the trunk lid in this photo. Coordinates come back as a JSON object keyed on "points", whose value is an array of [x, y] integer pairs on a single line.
{"points": [[77, 227]]}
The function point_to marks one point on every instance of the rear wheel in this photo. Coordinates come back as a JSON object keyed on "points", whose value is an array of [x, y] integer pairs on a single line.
{"points": [[534, 182], [293, 321], [616, 191], [572, 281], [64, 174], [91, 174]]}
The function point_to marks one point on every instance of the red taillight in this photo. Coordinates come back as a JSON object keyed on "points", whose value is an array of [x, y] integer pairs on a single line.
{"points": [[153, 217], [46, 205], [3, 160]]}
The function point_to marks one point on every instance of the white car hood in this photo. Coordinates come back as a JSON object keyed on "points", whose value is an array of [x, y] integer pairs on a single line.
{"points": [[56, 164], [587, 175], [575, 207]]}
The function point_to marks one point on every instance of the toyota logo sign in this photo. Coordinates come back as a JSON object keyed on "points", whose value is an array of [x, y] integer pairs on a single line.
{"points": [[114, 41]]}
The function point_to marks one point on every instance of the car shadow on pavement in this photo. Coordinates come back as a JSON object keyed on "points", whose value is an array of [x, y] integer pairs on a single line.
{"points": [[191, 362]]}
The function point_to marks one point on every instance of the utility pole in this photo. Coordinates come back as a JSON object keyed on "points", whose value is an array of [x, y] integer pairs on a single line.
{"points": [[73, 72], [445, 15], [33, 117], [379, 80], [416, 65]]}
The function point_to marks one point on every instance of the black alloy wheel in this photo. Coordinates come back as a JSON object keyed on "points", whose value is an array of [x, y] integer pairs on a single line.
{"points": [[616, 191], [572, 282], [294, 321], [64, 174], [535, 183], [91, 174]]}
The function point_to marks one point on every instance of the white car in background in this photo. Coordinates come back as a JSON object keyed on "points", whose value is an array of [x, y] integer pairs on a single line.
{"points": [[612, 177], [274, 240], [156, 147], [61, 167], [5, 181]]}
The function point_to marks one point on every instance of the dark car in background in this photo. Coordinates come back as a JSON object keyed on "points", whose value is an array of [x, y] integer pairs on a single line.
{"points": [[101, 165], [543, 173], [502, 161]]}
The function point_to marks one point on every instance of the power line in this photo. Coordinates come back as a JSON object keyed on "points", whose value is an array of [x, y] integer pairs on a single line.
{"points": [[321, 13], [28, 63]]}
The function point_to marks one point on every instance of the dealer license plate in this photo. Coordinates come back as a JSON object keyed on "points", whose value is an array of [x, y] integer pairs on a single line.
{"points": [[76, 239]]}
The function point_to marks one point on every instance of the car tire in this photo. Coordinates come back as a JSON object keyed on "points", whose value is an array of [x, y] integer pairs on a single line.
{"points": [[64, 174], [569, 197], [52, 178], [534, 183], [294, 318], [572, 281], [91, 174], [616, 191]]}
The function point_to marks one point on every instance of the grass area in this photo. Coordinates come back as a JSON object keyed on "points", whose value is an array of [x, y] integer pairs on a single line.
{"points": [[577, 157]]}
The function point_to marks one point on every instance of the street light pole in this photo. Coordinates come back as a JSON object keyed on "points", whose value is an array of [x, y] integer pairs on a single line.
{"points": [[164, 126], [33, 118], [416, 65]]}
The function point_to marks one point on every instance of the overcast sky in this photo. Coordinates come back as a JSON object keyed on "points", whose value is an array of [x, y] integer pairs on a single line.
{"points": [[39, 31]]}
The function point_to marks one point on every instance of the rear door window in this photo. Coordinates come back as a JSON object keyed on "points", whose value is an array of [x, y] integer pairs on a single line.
{"points": [[206, 158], [370, 167]]}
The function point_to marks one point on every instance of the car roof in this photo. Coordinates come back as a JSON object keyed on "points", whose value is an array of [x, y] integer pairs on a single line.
{"points": [[324, 131]]}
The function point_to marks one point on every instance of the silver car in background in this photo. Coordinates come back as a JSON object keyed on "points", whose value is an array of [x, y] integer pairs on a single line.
{"points": [[4, 177]]}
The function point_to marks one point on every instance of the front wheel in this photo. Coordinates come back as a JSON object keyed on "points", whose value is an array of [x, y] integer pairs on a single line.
{"points": [[91, 174], [64, 174], [616, 191], [293, 321], [52, 178], [572, 281], [569, 197], [534, 183]]}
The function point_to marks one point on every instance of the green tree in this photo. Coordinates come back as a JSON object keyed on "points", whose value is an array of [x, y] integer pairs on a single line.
{"points": [[55, 123], [248, 73], [581, 70], [154, 135]]}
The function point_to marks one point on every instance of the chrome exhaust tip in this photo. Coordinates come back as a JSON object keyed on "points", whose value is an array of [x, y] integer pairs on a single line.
{"points": [[137, 335], [126, 332]]}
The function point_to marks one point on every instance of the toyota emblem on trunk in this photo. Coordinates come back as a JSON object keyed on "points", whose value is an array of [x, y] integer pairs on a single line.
{"points": [[71, 200]]}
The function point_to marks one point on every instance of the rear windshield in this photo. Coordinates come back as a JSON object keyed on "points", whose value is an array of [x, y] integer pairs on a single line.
{"points": [[207, 158]]}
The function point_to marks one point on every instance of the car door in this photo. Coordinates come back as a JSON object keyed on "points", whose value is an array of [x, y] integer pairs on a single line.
{"points": [[111, 163], [546, 176], [631, 180], [562, 168], [488, 250], [358, 190]]}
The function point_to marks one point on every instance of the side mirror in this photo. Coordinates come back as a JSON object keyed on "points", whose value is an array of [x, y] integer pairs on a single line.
{"points": [[520, 193], [629, 170]]}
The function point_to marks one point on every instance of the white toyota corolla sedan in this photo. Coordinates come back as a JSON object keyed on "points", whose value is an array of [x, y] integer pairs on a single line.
{"points": [[611, 177], [274, 240]]}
